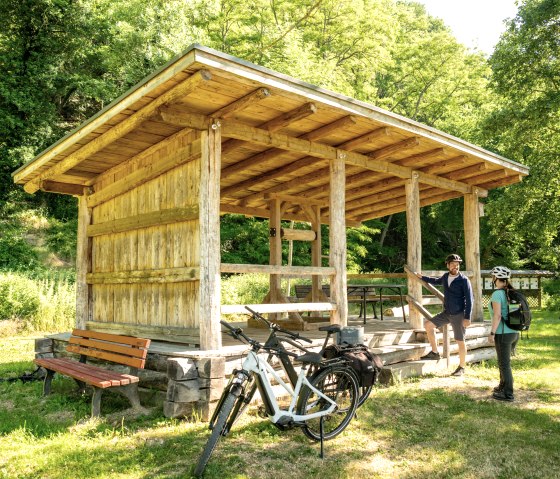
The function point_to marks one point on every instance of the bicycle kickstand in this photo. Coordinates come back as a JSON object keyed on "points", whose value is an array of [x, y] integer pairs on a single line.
{"points": [[321, 433]]}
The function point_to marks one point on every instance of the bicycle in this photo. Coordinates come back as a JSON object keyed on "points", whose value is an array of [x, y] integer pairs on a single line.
{"points": [[322, 404], [276, 339]]}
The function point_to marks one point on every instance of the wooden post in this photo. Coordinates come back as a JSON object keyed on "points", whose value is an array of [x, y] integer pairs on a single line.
{"points": [[472, 251], [414, 245], [83, 265], [209, 206], [275, 241], [316, 280], [337, 237]]}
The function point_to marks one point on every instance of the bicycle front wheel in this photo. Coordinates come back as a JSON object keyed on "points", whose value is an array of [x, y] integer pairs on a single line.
{"points": [[218, 430], [340, 385]]}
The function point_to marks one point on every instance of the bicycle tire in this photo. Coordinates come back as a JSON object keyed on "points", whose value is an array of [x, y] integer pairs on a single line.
{"points": [[339, 384], [364, 392], [217, 432]]}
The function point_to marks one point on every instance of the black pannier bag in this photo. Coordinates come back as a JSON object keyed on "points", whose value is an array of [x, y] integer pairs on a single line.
{"points": [[366, 364]]}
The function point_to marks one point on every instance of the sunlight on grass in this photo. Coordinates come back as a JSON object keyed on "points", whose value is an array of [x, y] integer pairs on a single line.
{"points": [[421, 428]]}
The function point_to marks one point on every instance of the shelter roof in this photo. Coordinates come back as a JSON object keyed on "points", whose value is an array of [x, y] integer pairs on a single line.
{"points": [[279, 136]]}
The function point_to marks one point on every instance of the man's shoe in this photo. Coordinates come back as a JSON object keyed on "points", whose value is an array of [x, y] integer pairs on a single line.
{"points": [[500, 396], [458, 372], [498, 389], [431, 355]]}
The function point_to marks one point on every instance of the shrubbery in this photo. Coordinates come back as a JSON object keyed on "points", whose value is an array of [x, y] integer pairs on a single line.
{"points": [[37, 304], [551, 294]]}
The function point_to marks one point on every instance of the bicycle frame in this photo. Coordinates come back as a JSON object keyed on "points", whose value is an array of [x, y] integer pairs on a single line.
{"points": [[258, 366]]}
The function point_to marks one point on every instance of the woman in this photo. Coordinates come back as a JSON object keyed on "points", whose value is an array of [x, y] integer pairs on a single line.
{"points": [[502, 336]]}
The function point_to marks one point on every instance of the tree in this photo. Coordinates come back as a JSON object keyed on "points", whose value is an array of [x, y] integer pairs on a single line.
{"points": [[526, 75]]}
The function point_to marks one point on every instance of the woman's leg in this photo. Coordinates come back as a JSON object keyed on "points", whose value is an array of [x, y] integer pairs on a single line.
{"points": [[503, 352]]}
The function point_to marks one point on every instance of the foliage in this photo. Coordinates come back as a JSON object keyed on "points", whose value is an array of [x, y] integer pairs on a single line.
{"points": [[61, 61], [525, 65], [244, 289], [37, 304]]}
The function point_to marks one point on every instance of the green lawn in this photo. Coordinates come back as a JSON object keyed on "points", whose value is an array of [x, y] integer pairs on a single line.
{"points": [[438, 427]]}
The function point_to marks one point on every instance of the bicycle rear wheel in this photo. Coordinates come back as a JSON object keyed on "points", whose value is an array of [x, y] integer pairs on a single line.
{"points": [[218, 430], [339, 384], [364, 392]]}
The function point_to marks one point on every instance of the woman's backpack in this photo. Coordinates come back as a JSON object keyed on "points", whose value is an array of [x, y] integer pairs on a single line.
{"points": [[519, 319]]}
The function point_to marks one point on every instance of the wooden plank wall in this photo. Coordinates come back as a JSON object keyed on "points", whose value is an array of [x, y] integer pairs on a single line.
{"points": [[162, 300]]}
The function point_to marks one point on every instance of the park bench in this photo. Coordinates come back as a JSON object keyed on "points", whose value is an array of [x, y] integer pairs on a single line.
{"points": [[120, 350]]}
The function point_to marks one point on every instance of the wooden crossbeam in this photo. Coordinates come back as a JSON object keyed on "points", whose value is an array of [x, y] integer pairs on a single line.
{"points": [[261, 158], [121, 129], [244, 102]]}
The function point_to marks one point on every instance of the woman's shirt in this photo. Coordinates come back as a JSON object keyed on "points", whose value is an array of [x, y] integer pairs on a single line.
{"points": [[499, 296]]}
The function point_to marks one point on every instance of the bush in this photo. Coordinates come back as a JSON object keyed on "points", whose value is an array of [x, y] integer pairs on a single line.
{"points": [[244, 288], [551, 294], [37, 305]]}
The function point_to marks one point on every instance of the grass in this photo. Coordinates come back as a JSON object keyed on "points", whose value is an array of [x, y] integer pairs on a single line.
{"points": [[436, 427]]}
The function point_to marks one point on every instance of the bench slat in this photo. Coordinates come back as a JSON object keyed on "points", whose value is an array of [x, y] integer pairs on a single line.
{"points": [[86, 373], [132, 341], [108, 356], [126, 351]]}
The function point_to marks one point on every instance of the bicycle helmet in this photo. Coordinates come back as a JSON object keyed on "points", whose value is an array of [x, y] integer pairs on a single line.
{"points": [[501, 272], [453, 257]]}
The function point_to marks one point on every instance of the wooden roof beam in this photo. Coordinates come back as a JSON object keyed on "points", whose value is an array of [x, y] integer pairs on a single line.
{"points": [[389, 150], [362, 140], [420, 159], [244, 102], [468, 172], [285, 142], [276, 124], [508, 180], [295, 165], [181, 90]]}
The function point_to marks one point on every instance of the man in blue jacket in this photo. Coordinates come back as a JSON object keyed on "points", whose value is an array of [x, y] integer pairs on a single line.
{"points": [[457, 308]]}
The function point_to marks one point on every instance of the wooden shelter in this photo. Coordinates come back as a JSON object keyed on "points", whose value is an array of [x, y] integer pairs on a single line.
{"points": [[210, 134]]}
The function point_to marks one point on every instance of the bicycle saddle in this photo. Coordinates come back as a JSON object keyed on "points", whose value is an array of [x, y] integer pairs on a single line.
{"points": [[312, 358]]}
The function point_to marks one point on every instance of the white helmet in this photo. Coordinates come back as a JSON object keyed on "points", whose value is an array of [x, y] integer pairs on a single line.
{"points": [[501, 272]]}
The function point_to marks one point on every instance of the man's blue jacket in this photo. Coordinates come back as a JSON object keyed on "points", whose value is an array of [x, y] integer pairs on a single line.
{"points": [[457, 298]]}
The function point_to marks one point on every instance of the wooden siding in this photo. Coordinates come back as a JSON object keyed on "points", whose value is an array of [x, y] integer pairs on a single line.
{"points": [[148, 273]]}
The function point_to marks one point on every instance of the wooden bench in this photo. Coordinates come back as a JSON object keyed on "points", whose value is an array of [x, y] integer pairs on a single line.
{"points": [[122, 350]]}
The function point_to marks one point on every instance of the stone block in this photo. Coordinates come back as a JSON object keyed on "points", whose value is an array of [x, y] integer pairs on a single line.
{"points": [[211, 368], [183, 391], [180, 369], [43, 345], [211, 389]]}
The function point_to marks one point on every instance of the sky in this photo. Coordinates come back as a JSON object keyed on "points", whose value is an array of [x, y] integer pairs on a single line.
{"points": [[475, 23]]}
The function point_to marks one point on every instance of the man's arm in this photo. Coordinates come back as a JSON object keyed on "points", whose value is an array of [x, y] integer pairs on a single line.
{"points": [[469, 298]]}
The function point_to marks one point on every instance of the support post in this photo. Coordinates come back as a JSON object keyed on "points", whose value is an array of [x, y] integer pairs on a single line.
{"points": [[316, 280], [337, 237], [414, 245], [275, 241], [472, 251], [209, 206], [83, 265]]}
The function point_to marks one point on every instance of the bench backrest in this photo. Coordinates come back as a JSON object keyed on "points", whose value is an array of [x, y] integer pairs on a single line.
{"points": [[302, 290], [126, 350]]}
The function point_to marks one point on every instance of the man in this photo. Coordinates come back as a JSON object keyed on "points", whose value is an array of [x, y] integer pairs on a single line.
{"points": [[457, 308]]}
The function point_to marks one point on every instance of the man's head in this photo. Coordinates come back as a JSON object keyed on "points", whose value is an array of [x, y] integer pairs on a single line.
{"points": [[453, 262]]}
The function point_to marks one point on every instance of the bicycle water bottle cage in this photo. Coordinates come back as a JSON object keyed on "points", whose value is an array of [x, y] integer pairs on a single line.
{"points": [[311, 358]]}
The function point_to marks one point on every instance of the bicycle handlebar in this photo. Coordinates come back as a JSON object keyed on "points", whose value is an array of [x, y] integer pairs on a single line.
{"points": [[238, 333]]}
